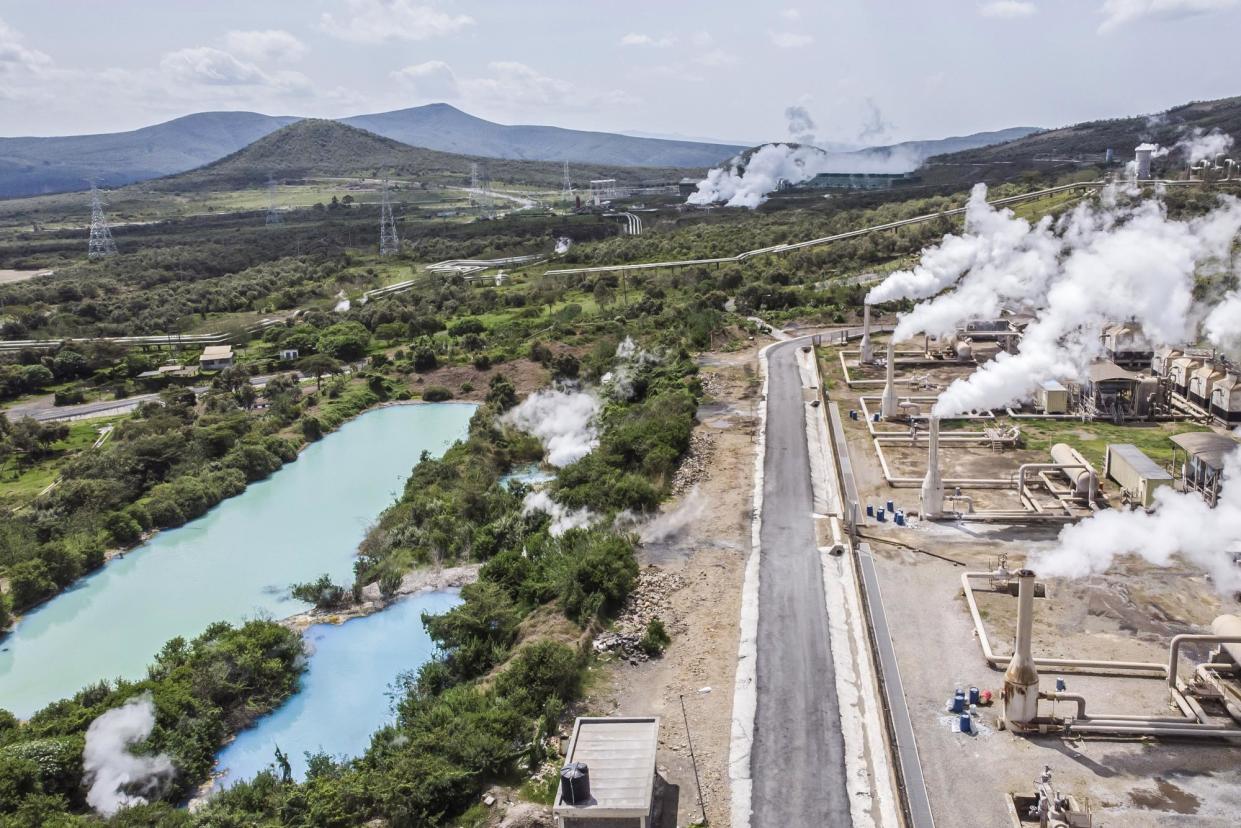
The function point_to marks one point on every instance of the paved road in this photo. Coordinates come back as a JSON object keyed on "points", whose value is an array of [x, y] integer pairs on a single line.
{"points": [[798, 753]]}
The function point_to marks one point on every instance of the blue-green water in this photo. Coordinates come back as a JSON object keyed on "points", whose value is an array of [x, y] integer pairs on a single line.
{"points": [[235, 562], [345, 692]]}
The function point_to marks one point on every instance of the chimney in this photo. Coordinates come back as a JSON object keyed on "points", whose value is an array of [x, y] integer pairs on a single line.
{"points": [[868, 353], [888, 408], [931, 504], [1021, 678]]}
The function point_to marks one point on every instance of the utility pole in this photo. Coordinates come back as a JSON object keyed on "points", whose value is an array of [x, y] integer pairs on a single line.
{"points": [[567, 191], [101, 243]]}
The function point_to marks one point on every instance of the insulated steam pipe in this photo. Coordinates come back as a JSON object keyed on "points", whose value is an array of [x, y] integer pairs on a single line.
{"points": [[1175, 648]]}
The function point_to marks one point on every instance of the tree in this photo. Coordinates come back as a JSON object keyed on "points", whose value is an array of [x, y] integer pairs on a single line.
{"points": [[69, 365], [345, 340], [502, 394], [316, 365]]}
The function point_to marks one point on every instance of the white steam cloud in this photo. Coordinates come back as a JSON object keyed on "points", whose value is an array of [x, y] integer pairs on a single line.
{"points": [[1200, 145], [630, 359], [1223, 324], [1142, 269], [118, 778], [801, 125], [564, 421], [1182, 523], [563, 518]]}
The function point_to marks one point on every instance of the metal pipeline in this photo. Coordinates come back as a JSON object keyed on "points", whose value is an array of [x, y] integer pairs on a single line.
{"points": [[1174, 649], [995, 661]]}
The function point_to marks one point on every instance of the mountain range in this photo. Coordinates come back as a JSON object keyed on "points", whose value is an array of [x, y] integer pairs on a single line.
{"points": [[33, 166]]}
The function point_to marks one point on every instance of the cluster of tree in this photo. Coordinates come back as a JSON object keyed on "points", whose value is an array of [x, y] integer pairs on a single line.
{"points": [[203, 691]]}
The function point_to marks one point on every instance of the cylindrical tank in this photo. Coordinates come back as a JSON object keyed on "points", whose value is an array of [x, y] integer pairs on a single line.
{"points": [[1142, 156], [575, 783], [1084, 481], [1021, 677]]}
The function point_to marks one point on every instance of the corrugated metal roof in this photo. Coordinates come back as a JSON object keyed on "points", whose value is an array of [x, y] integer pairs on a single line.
{"points": [[217, 352], [1105, 371], [1207, 446], [620, 756], [1139, 462]]}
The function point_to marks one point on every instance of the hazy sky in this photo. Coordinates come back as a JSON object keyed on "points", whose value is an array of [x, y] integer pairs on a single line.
{"points": [[870, 70]]}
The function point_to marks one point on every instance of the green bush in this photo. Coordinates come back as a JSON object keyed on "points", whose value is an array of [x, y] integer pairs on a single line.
{"points": [[655, 638], [436, 393]]}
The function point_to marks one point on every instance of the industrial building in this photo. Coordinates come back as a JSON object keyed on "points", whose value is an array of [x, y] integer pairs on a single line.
{"points": [[687, 187], [1139, 476], [1202, 466], [1226, 399], [1113, 393], [1127, 346], [855, 181], [608, 780]]}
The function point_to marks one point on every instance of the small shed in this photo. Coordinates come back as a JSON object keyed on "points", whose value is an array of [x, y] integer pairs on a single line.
{"points": [[1138, 475], [1203, 467], [1202, 381], [288, 354], [619, 753], [216, 358], [1226, 399], [1052, 398]]}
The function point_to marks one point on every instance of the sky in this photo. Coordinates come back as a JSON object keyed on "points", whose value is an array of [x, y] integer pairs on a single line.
{"points": [[863, 71]]}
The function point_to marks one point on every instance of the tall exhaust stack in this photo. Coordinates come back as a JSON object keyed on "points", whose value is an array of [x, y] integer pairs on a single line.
{"points": [[868, 353], [887, 409], [931, 504], [1021, 678]]}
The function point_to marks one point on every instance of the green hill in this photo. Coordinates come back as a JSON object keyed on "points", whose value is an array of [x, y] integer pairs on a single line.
{"points": [[1084, 145], [326, 149]]}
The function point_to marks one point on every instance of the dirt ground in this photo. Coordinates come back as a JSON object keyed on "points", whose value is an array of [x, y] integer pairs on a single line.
{"points": [[707, 556], [1130, 613]]}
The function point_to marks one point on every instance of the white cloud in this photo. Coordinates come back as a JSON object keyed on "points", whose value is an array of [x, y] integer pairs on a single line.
{"points": [[432, 80], [375, 21], [715, 57], [214, 67], [273, 44], [791, 14], [637, 39], [790, 40], [511, 82], [15, 56], [701, 39], [1007, 9], [1118, 13]]}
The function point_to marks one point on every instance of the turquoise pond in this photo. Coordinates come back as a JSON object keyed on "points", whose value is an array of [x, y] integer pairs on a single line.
{"points": [[235, 562], [346, 692]]}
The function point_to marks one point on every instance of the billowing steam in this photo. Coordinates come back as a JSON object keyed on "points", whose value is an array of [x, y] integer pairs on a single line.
{"points": [[564, 421], [1182, 523], [1223, 324], [118, 778], [1200, 145], [630, 359], [563, 244], [668, 525], [563, 518], [800, 124]]}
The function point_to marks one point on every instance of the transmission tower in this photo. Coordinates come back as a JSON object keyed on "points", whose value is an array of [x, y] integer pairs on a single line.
{"points": [[389, 242], [567, 194], [101, 242], [273, 215], [486, 202]]}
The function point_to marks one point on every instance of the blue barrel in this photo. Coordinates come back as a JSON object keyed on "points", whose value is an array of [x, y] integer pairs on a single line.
{"points": [[870, 510], [973, 695], [891, 506], [875, 417], [958, 702], [852, 413], [967, 726], [881, 516], [899, 518]]}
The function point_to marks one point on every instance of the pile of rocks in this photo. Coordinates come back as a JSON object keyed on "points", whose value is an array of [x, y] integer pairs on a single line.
{"points": [[694, 465], [712, 385], [651, 598]]}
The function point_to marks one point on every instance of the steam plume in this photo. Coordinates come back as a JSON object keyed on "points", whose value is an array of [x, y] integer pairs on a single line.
{"points": [[1142, 269], [1200, 145], [1182, 523], [1223, 324], [563, 518], [564, 421], [800, 124], [118, 778]]}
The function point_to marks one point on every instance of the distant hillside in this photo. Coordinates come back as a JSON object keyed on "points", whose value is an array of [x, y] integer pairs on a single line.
{"points": [[32, 166], [315, 148], [448, 129], [1084, 145], [909, 155]]}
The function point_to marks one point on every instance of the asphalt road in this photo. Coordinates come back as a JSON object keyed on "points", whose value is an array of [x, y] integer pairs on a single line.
{"points": [[797, 759]]}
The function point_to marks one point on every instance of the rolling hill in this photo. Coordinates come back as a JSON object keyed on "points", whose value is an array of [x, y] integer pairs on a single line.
{"points": [[32, 166], [1083, 145], [448, 129], [314, 148]]}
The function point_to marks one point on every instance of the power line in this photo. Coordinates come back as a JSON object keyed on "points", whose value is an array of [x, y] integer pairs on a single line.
{"points": [[389, 242], [101, 242]]}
